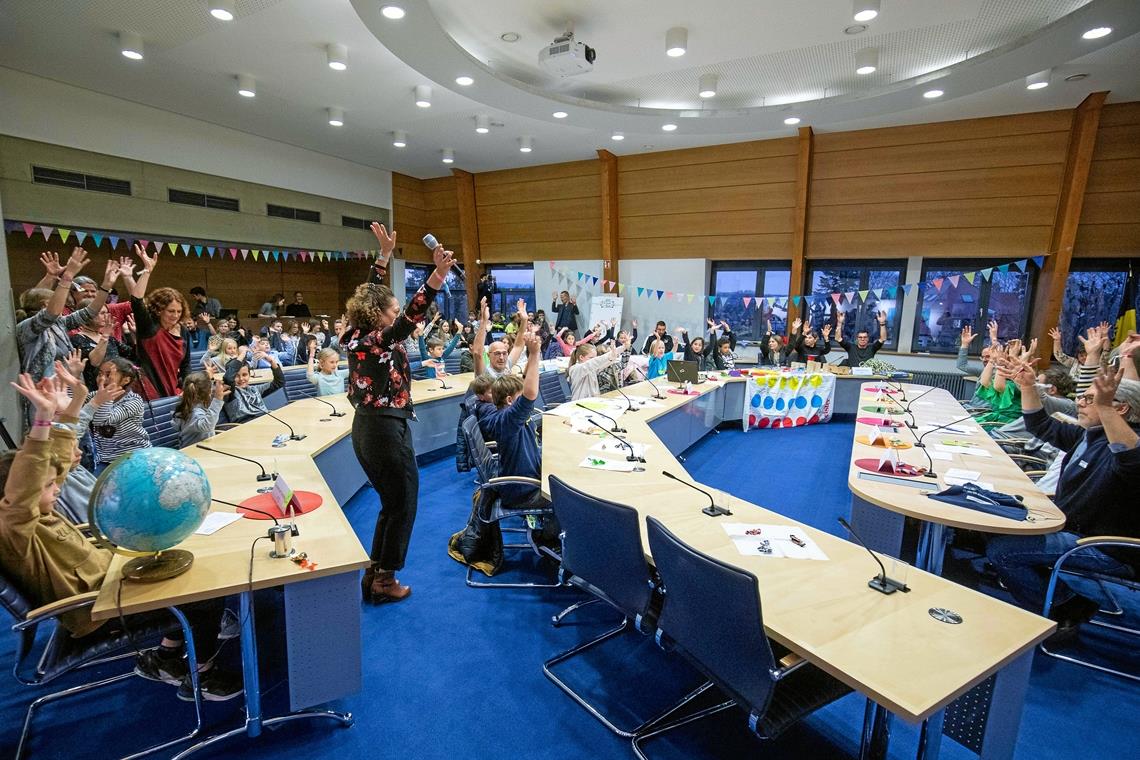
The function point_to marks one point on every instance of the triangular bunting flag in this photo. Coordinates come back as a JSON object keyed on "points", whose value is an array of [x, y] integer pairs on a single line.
{"points": [[668, 294], [937, 283], [80, 236], [144, 244], [970, 276], [640, 290], [985, 273], [1038, 260], [863, 295], [595, 280], [244, 253], [659, 294], [1023, 264], [1003, 268], [836, 296], [198, 251], [712, 300], [29, 229], [46, 230], [64, 234], [954, 280], [210, 250], [552, 266], [173, 248], [747, 300], [186, 249], [579, 277], [158, 246], [850, 296], [98, 239], [690, 296], [795, 300], [276, 255], [114, 242], [233, 253], [621, 287]]}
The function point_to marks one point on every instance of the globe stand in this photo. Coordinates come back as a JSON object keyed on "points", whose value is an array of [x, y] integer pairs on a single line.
{"points": [[158, 567]]}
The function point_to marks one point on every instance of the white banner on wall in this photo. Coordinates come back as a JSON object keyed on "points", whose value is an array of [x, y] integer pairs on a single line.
{"points": [[602, 309]]}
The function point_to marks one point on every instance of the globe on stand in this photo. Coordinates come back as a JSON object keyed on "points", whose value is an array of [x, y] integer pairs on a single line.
{"points": [[146, 502]]}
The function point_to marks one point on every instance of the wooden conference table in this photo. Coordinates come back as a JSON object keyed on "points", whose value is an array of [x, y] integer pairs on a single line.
{"points": [[322, 606], [889, 648]]}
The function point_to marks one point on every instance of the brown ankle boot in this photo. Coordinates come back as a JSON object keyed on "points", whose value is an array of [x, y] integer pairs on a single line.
{"points": [[385, 588]]}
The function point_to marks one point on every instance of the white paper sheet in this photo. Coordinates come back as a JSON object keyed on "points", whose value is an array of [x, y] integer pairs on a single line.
{"points": [[960, 474], [939, 455], [611, 446], [597, 463], [778, 538], [215, 521], [967, 450]]}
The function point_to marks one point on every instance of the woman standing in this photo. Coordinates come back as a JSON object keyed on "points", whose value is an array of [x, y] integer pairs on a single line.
{"points": [[162, 343], [379, 388]]}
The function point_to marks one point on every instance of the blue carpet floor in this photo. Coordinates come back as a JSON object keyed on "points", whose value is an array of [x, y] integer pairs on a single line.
{"points": [[457, 671]]}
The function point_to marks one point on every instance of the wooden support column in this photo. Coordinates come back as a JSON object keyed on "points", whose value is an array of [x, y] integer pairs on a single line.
{"points": [[799, 228], [1051, 282], [468, 233], [610, 253]]}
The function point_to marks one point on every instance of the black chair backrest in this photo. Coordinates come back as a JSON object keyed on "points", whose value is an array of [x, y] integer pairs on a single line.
{"points": [[156, 421], [550, 386], [712, 614], [13, 600], [297, 385], [451, 363], [602, 546], [485, 462]]}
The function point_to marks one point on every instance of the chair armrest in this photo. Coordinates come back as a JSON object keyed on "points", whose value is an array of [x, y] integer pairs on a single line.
{"points": [[1094, 540], [55, 609], [514, 480], [789, 664]]}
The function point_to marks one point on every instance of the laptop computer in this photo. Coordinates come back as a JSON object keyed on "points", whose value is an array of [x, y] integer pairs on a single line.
{"points": [[681, 372]]}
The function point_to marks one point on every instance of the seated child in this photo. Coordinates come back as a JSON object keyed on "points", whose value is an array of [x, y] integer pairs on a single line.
{"points": [[248, 401], [434, 352], [585, 364], [196, 416], [328, 377], [116, 413]]}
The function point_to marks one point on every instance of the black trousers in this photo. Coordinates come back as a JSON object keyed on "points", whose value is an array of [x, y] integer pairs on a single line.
{"points": [[383, 446]]}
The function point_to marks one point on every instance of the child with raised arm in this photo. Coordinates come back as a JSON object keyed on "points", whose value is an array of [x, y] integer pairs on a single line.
{"points": [[248, 401], [658, 360], [196, 416], [116, 413], [324, 373], [585, 364], [434, 353], [519, 452]]}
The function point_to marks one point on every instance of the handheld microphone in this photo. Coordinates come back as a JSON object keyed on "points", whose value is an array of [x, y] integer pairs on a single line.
{"points": [[880, 582], [656, 392], [335, 412], [292, 433], [616, 429], [262, 477], [920, 445], [633, 457], [432, 244], [712, 510]]}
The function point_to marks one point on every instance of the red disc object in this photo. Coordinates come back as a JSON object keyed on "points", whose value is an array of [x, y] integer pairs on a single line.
{"points": [[902, 470], [264, 502], [877, 421], [876, 389], [763, 422]]}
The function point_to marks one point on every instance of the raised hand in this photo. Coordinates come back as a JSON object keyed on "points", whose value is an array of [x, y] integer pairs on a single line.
{"points": [[126, 267], [826, 330], [967, 336], [1130, 345], [387, 242], [50, 260], [111, 273], [635, 324], [443, 260], [1091, 342], [554, 296], [108, 392], [796, 323], [1019, 371], [533, 345], [520, 306], [992, 327], [42, 398], [1104, 387], [75, 362], [1028, 352], [73, 380], [148, 262], [882, 317], [129, 324], [1055, 334], [711, 323], [76, 262]]}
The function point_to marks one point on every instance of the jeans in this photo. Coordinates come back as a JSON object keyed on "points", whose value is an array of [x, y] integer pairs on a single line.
{"points": [[383, 445], [1023, 563]]}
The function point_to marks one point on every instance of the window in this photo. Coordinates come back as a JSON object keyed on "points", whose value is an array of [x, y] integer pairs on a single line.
{"points": [[452, 301], [513, 283], [287, 212], [1093, 294], [736, 280], [943, 312], [189, 198], [44, 176], [352, 221], [880, 281]]}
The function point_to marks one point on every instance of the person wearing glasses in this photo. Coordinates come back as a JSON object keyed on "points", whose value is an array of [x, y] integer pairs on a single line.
{"points": [[500, 360], [1097, 487]]}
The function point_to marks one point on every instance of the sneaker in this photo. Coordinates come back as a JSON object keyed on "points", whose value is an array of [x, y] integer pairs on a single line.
{"points": [[230, 627], [216, 685], [155, 667]]}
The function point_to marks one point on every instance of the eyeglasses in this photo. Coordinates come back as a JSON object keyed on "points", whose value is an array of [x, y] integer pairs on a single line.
{"points": [[1086, 399], [499, 353]]}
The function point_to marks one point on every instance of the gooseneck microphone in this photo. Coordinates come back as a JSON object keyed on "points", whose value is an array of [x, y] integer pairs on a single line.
{"points": [[628, 403], [262, 477], [880, 582], [335, 412], [616, 429], [633, 457], [712, 510], [656, 392], [292, 433], [920, 445]]}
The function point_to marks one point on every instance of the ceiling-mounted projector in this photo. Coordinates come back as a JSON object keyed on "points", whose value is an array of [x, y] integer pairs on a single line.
{"points": [[567, 57]]}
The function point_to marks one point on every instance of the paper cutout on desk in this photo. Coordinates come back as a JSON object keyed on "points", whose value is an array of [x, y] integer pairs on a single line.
{"points": [[778, 539], [877, 421], [955, 472], [952, 448], [611, 446], [215, 521], [883, 441], [876, 465], [597, 463]]}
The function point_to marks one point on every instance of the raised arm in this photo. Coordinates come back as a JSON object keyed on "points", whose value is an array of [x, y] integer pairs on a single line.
{"points": [[533, 360], [520, 334], [387, 244], [52, 270], [481, 336], [1116, 428]]}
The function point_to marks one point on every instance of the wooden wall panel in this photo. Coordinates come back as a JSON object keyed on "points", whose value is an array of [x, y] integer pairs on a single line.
{"points": [[997, 182], [1110, 219], [752, 171], [1001, 243], [422, 206]]}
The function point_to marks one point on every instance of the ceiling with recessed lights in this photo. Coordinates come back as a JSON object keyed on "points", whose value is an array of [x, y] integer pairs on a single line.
{"points": [[766, 63]]}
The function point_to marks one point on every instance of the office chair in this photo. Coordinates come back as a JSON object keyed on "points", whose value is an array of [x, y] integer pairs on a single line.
{"points": [[492, 511], [156, 421], [1102, 580], [712, 616], [602, 554], [297, 385], [551, 389], [61, 654]]}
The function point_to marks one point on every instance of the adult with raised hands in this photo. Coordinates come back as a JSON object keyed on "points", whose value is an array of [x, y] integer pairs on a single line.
{"points": [[163, 342], [379, 388], [1097, 487]]}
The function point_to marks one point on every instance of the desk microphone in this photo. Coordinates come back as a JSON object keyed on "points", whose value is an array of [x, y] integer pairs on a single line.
{"points": [[633, 457], [712, 510], [292, 433], [443, 386], [629, 404], [616, 429], [656, 393], [916, 398], [335, 412], [262, 477], [880, 582], [920, 445]]}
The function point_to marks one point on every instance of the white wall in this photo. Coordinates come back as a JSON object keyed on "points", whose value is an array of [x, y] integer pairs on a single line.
{"points": [[545, 283], [9, 356], [48, 111], [676, 275]]}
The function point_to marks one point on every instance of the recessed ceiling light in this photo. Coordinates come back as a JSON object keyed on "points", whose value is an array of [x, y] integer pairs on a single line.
{"points": [[400, 138], [1038, 81], [706, 86], [865, 10], [668, 127], [336, 117], [482, 124], [855, 29], [867, 61], [337, 56], [222, 10], [1097, 33], [448, 156], [423, 96], [1076, 77], [464, 81], [131, 46], [510, 37], [393, 12], [791, 121], [676, 42], [247, 88], [617, 136], [932, 94], [525, 144], [560, 114]]}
